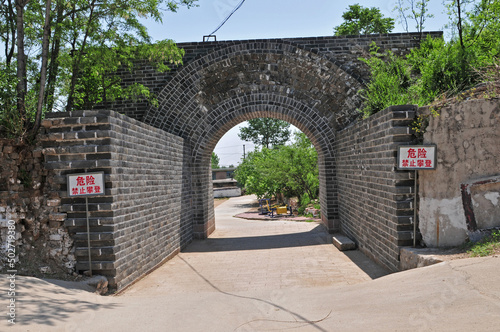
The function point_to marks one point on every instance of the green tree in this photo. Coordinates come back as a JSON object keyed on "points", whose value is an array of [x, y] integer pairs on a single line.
{"points": [[96, 82], [112, 32], [359, 20], [298, 167], [438, 67], [215, 161], [254, 173], [59, 50], [266, 132], [291, 170]]}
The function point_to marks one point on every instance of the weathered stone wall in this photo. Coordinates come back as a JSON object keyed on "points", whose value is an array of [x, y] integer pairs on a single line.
{"points": [[145, 215], [30, 200], [375, 200], [467, 136]]}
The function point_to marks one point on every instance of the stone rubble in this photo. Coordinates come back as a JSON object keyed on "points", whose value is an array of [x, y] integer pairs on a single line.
{"points": [[31, 200]]}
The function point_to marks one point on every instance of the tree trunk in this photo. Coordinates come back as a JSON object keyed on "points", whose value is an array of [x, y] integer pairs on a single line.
{"points": [[459, 25], [21, 59], [10, 45], [53, 68], [76, 62], [43, 71]]}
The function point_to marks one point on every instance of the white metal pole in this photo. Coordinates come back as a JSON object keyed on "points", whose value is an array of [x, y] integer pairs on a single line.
{"points": [[415, 211], [88, 234]]}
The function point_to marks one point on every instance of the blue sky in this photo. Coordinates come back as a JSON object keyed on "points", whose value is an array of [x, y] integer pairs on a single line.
{"points": [[267, 19], [270, 19]]}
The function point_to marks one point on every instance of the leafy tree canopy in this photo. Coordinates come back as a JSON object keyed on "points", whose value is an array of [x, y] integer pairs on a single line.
{"points": [[291, 170], [359, 20], [61, 54], [266, 132]]}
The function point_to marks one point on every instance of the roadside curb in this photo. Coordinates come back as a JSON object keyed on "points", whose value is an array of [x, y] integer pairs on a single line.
{"points": [[411, 258]]}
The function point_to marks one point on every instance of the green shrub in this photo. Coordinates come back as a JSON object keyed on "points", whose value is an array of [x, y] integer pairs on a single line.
{"points": [[436, 68], [390, 81], [305, 201], [487, 246]]}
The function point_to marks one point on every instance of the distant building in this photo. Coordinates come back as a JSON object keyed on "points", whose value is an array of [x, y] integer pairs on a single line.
{"points": [[224, 184]]}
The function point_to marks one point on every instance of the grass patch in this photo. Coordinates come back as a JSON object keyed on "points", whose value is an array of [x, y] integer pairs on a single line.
{"points": [[489, 245]]}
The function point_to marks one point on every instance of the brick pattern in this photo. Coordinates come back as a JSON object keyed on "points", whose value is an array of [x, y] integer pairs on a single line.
{"points": [[145, 215], [301, 81], [274, 68], [375, 200], [159, 197], [343, 51]]}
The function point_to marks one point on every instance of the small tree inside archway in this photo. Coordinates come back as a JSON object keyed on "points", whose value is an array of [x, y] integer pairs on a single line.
{"points": [[291, 170]]}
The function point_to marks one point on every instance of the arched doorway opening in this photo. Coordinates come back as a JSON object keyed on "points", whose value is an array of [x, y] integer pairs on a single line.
{"points": [[321, 140], [267, 158]]}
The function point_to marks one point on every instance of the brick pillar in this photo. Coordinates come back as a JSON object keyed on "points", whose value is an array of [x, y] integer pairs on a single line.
{"points": [[203, 200], [328, 194], [375, 199]]}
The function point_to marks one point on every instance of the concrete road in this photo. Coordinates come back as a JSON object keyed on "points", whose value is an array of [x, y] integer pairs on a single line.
{"points": [[271, 276]]}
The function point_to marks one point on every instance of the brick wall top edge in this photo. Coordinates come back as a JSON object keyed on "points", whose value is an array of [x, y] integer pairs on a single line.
{"points": [[387, 114], [77, 114], [405, 108], [299, 39], [114, 118], [121, 118]]}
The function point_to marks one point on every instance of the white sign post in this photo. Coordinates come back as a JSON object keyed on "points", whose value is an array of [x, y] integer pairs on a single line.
{"points": [[86, 184], [416, 157]]}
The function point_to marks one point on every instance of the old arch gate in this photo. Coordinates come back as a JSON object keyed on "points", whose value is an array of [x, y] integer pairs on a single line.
{"points": [[156, 160]]}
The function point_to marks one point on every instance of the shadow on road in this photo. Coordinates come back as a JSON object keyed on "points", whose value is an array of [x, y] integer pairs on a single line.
{"points": [[314, 237], [372, 269], [49, 305], [247, 206]]}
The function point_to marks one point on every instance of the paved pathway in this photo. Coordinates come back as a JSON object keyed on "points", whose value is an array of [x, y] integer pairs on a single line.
{"points": [[271, 276], [247, 255]]}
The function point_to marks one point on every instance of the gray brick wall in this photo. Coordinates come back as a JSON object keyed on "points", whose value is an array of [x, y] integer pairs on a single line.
{"points": [[343, 51], [158, 193], [375, 200], [145, 215]]}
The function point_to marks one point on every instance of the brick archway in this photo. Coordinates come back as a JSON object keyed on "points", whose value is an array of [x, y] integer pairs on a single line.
{"points": [[249, 80], [158, 181]]}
